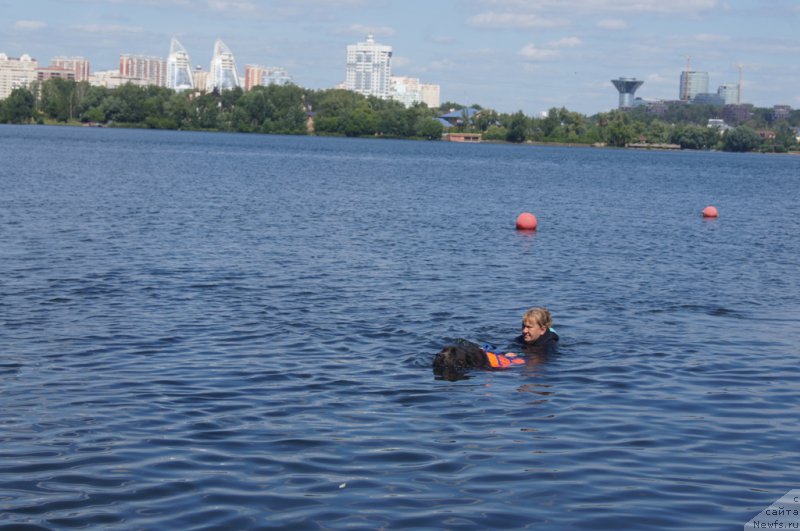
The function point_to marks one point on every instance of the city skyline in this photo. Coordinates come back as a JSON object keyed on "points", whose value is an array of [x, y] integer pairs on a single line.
{"points": [[505, 54]]}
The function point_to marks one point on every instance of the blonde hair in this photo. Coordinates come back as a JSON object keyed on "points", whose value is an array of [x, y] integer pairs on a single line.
{"points": [[540, 316]]}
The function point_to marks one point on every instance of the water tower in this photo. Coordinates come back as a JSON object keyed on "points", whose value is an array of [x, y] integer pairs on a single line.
{"points": [[626, 87]]}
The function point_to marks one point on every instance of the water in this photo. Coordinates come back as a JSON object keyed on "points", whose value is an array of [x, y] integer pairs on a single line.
{"points": [[235, 331]]}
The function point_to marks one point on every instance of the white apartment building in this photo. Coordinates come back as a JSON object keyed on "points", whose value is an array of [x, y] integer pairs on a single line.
{"points": [[369, 68], [16, 73]]}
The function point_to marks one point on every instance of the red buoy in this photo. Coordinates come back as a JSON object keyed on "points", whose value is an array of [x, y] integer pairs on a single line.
{"points": [[710, 212], [526, 221]]}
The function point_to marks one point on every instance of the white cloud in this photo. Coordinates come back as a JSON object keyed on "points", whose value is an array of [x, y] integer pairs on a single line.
{"points": [[530, 51], [566, 42], [29, 25], [550, 51], [493, 20], [612, 24]]}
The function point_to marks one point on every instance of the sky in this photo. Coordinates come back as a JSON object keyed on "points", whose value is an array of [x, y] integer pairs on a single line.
{"points": [[507, 55]]}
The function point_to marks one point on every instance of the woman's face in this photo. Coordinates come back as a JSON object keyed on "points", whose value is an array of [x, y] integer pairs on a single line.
{"points": [[531, 331]]}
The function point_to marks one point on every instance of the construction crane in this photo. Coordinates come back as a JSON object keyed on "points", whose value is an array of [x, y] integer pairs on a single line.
{"points": [[739, 86], [686, 78]]}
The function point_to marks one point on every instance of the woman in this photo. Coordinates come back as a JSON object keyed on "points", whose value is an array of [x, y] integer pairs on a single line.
{"points": [[537, 331]]}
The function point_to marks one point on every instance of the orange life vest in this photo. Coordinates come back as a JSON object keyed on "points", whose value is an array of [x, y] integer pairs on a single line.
{"points": [[499, 361]]}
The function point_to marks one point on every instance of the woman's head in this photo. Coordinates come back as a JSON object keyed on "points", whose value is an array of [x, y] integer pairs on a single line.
{"points": [[535, 322]]}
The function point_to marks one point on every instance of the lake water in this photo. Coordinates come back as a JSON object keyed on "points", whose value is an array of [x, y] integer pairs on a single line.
{"points": [[204, 330]]}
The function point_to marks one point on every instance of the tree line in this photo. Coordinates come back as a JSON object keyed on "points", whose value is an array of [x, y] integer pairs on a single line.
{"points": [[290, 109]]}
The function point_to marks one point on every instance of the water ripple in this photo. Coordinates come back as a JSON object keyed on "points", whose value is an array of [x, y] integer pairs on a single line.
{"points": [[236, 331]]}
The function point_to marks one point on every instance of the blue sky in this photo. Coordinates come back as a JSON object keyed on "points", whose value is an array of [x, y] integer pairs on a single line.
{"points": [[508, 55]]}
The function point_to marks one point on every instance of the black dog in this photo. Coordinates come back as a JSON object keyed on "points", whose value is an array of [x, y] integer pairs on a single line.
{"points": [[462, 355], [454, 360]]}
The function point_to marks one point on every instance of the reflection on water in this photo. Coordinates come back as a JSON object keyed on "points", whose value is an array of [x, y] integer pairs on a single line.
{"points": [[237, 331]]}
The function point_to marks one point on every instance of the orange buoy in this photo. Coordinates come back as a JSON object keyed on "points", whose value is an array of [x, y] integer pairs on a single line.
{"points": [[710, 212], [526, 221]]}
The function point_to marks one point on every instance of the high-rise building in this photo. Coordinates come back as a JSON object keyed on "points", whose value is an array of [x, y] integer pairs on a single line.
{"points": [[257, 75], [431, 95], [729, 92], [200, 77], [222, 74], [78, 65], [151, 70], [179, 67], [369, 68], [16, 73], [692, 84]]}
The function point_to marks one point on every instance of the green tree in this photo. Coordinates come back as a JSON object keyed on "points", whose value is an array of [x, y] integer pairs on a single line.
{"points": [[741, 139], [785, 138], [57, 99], [429, 128], [550, 123], [94, 115], [616, 129], [519, 128], [18, 107], [495, 132], [361, 121], [179, 110], [694, 137], [90, 98], [125, 104], [331, 108]]}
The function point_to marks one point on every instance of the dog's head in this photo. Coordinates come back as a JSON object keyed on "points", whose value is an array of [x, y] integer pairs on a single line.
{"points": [[459, 357]]}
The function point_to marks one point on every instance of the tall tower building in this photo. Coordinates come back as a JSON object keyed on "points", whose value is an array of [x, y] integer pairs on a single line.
{"points": [[627, 87], [78, 65], [179, 67], [369, 68], [692, 84], [151, 70], [222, 74]]}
